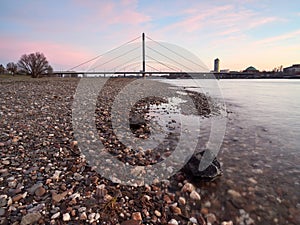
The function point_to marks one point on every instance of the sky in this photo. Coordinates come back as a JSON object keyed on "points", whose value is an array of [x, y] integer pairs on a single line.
{"points": [[260, 33]]}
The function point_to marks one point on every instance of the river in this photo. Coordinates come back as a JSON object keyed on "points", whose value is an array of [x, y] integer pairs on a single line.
{"points": [[260, 153]]}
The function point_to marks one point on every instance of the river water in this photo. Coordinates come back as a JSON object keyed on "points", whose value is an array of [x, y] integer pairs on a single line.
{"points": [[260, 153]]}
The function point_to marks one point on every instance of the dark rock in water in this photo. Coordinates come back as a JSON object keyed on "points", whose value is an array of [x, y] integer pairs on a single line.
{"points": [[136, 121], [211, 172]]}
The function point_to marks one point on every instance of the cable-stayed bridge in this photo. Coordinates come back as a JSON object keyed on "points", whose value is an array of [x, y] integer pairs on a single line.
{"points": [[141, 56]]}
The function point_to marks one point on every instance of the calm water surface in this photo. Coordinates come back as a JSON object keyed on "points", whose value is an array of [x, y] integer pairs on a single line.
{"points": [[260, 153]]}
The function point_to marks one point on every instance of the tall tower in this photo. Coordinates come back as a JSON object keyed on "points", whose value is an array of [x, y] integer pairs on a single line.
{"points": [[217, 65]]}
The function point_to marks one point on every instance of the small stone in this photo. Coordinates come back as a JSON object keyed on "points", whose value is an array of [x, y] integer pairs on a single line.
{"points": [[74, 144], [2, 211], [188, 187], [31, 218], [56, 175], [58, 197], [34, 187], [55, 216], [130, 222], [193, 220], [195, 196], [207, 204], [40, 191], [234, 194], [82, 209], [227, 223], [101, 191], [78, 176], [3, 200], [6, 162], [66, 217], [211, 218], [17, 198], [204, 211], [12, 184], [91, 217], [176, 210], [83, 216], [252, 180], [167, 199], [147, 197], [157, 213], [37, 208], [173, 222], [181, 201], [137, 216], [97, 216]]}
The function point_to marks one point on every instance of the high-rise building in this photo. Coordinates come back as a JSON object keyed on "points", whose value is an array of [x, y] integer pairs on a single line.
{"points": [[217, 65]]}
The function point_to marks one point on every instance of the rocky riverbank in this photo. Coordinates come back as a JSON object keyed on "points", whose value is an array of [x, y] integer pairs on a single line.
{"points": [[45, 179]]}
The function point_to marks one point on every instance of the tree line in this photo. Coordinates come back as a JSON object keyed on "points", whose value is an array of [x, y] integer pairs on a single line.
{"points": [[34, 65]]}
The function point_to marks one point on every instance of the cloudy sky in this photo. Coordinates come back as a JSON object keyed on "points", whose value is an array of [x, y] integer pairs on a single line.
{"points": [[261, 33]]}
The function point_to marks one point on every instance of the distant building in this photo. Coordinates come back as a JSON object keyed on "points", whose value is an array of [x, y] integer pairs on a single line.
{"points": [[292, 69], [217, 65], [251, 69]]}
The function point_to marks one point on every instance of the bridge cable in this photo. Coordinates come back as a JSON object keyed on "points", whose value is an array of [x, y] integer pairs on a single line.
{"points": [[161, 63], [126, 43], [176, 53], [131, 50], [125, 64], [170, 59]]}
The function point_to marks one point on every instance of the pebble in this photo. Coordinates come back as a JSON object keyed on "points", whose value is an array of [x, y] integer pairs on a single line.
{"points": [[210, 218], [18, 197], [81, 209], [56, 175], [83, 216], [176, 210], [91, 217], [181, 201], [157, 213], [227, 223], [2, 211], [55, 216], [58, 197], [3, 200], [137, 216], [40, 191], [78, 176], [173, 222], [195, 196], [252, 180], [234, 194], [5, 162], [66, 217], [34, 187], [193, 220], [31, 218], [188, 187]]}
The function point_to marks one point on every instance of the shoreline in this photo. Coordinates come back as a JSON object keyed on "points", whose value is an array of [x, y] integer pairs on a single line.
{"points": [[43, 174]]}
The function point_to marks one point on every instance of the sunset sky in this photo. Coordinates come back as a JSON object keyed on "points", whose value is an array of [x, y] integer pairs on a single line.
{"points": [[261, 33]]}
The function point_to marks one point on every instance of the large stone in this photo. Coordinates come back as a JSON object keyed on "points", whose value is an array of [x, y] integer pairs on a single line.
{"points": [[31, 218], [211, 172]]}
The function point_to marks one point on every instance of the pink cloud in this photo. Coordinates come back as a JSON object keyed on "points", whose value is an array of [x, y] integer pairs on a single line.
{"points": [[59, 56], [282, 37], [263, 21], [114, 13]]}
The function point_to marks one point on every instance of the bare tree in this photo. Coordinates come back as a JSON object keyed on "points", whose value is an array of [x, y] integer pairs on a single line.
{"points": [[2, 69], [34, 64], [12, 68]]}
